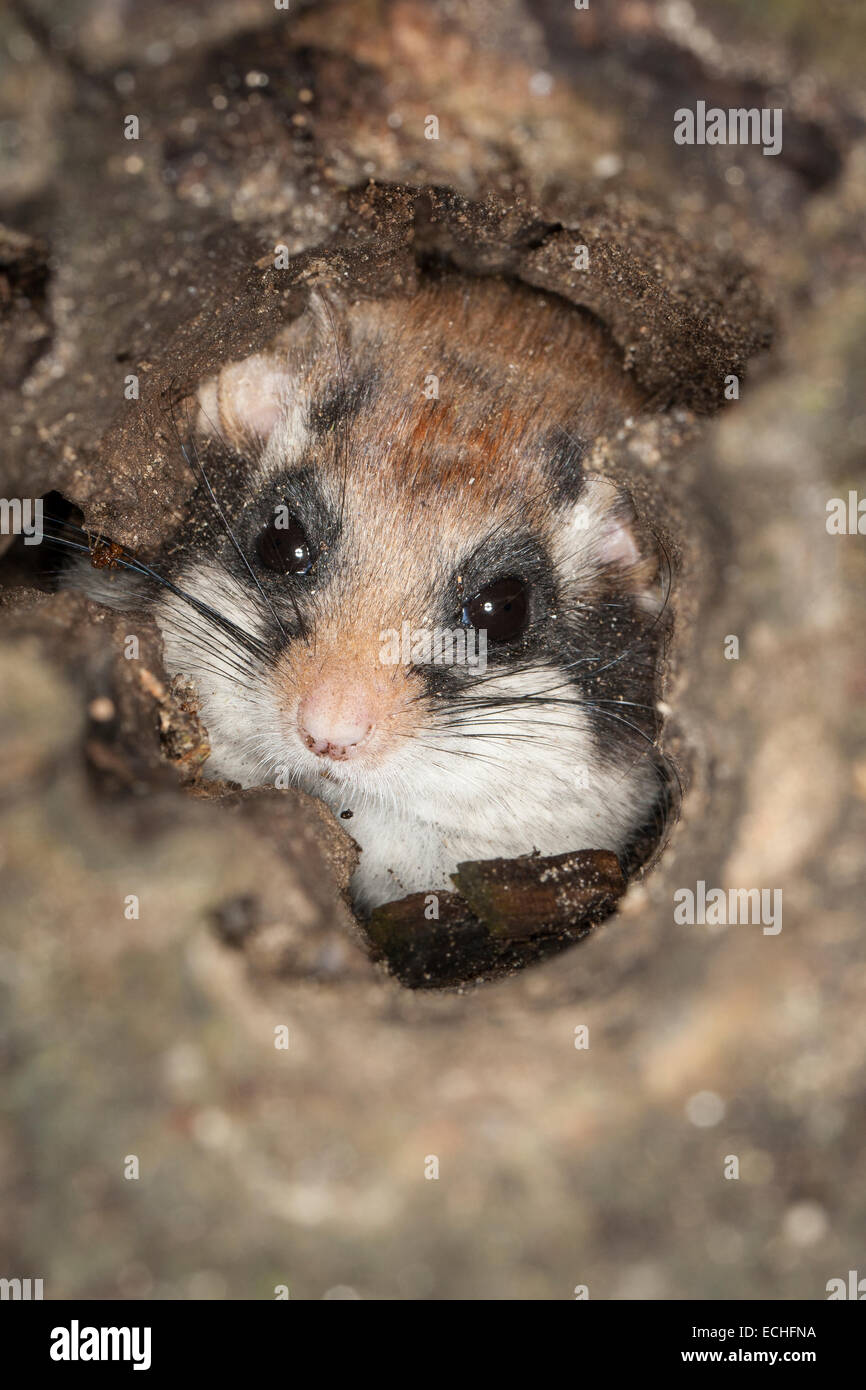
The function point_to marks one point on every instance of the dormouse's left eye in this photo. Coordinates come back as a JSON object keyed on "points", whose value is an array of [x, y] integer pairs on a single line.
{"points": [[283, 546], [502, 608]]}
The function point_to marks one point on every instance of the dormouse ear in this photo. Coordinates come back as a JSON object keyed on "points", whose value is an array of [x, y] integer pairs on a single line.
{"points": [[247, 400], [604, 539], [244, 403]]}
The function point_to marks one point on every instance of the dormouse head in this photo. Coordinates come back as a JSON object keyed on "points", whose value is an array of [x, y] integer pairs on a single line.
{"points": [[450, 615]]}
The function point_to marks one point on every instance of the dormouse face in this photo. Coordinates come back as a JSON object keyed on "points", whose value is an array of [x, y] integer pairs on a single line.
{"points": [[452, 624]]}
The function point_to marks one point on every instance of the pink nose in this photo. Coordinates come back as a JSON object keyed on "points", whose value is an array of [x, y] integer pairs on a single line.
{"points": [[332, 725]]}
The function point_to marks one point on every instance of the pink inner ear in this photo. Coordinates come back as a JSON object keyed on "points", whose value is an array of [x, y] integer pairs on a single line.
{"points": [[619, 547], [253, 395]]}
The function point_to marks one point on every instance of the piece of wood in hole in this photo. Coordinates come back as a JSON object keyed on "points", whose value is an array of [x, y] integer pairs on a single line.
{"points": [[518, 898]]}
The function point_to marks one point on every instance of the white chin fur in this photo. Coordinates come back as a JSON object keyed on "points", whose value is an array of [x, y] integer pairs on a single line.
{"points": [[433, 806]]}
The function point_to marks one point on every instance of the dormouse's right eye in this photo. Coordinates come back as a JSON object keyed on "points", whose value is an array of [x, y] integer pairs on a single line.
{"points": [[283, 546]]}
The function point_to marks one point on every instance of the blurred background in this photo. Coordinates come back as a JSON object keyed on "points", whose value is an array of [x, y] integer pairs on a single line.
{"points": [[158, 1139]]}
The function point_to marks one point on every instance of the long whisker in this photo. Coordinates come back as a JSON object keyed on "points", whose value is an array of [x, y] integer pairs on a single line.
{"points": [[197, 469], [345, 432], [126, 560]]}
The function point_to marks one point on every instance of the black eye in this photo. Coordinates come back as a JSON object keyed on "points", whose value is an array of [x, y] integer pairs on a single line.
{"points": [[502, 608], [283, 546]]}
